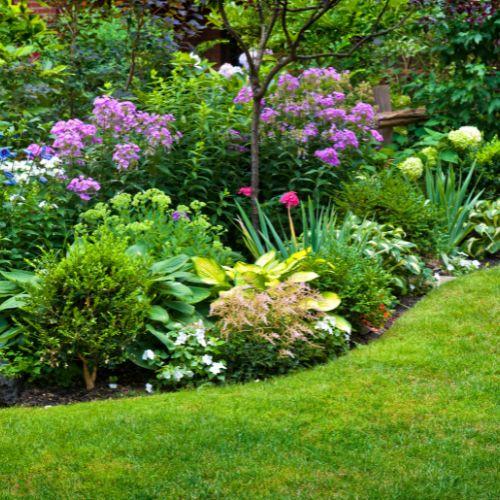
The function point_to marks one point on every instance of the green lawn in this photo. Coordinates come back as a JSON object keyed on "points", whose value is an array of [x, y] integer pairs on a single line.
{"points": [[411, 416]]}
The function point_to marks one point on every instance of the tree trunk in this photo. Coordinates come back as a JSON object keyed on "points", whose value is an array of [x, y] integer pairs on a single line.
{"points": [[89, 376], [255, 157]]}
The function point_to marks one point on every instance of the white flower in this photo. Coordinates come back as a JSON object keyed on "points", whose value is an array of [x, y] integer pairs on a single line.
{"points": [[412, 167], [181, 339], [178, 374], [17, 197], [200, 337], [148, 354], [216, 368], [113, 385], [243, 60], [197, 60], [149, 388], [465, 137], [207, 359], [228, 70]]}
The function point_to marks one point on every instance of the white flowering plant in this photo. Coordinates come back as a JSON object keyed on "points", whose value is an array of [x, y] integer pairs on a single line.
{"points": [[185, 355]]}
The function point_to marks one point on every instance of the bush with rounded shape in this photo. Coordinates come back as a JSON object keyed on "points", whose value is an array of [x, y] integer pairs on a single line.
{"points": [[89, 306], [389, 198]]}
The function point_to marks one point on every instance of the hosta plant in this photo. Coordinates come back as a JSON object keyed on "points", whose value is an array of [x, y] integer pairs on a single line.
{"points": [[485, 220]]}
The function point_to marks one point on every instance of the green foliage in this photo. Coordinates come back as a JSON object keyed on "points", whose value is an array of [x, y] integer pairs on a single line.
{"points": [[388, 198], [273, 331], [209, 162], [362, 284], [17, 24], [87, 307], [461, 86], [148, 221], [485, 234], [387, 245], [186, 355], [455, 199], [268, 271], [34, 218], [381, 242], [488, 167]]}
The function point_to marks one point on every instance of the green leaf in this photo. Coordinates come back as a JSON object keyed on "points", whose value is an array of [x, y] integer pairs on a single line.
{"points": [[182, 307], [21, 277], [177, 289], [157, 313], [341, 323], [169, 266], [14, 302]]}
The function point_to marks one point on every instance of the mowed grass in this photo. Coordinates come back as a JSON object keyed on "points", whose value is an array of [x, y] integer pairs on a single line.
{"points": [[412, 416]]}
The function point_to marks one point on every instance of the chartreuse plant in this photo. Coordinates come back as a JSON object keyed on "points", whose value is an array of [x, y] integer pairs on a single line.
{"points": [[485, 220], [150, 222], [267, 271]]}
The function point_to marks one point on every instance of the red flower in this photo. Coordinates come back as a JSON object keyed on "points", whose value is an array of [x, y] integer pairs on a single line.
{"points": [[290, 199], [246, 191]]}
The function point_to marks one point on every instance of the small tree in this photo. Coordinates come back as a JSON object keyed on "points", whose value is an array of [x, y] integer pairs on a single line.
{"points": [[272, 16]]}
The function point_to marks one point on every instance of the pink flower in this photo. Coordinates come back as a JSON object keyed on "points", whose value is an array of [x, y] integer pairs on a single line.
{"points": [[246, 191], [376, 135], [290, 199]]}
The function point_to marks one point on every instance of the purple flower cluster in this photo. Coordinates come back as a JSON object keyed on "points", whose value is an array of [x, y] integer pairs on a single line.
{"points": [[312, 109], [122, 118], [476, 11], [84, 187], [72, 136], [126, 155]]}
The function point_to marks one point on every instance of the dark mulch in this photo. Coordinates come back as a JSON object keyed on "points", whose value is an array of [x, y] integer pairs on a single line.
{"points": [[36, 396]]}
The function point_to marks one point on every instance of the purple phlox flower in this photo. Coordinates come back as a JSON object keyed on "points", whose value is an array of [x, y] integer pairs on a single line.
{"points": [[331, 114], [309, 131], [244, 95], [343, 138], [84, 187], [288, 82], [71, 136], [376, 135], [268, 114], [328, 155], [126, 155], [362, 111], [37, 150]]}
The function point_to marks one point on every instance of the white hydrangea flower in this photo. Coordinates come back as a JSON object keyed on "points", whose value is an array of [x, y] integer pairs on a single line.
{"points": [[227, 70], [149, 388], [217, 368], [431, 155], [465, 137], [412, 167], [148, 354]]}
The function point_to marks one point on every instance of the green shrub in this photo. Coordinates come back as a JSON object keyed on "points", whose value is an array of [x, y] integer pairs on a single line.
{"points": [[89, 306], [361, 282], [388, 198]]}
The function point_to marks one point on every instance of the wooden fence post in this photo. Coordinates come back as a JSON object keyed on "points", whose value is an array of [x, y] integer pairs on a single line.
{"points": [[382, 95]]}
